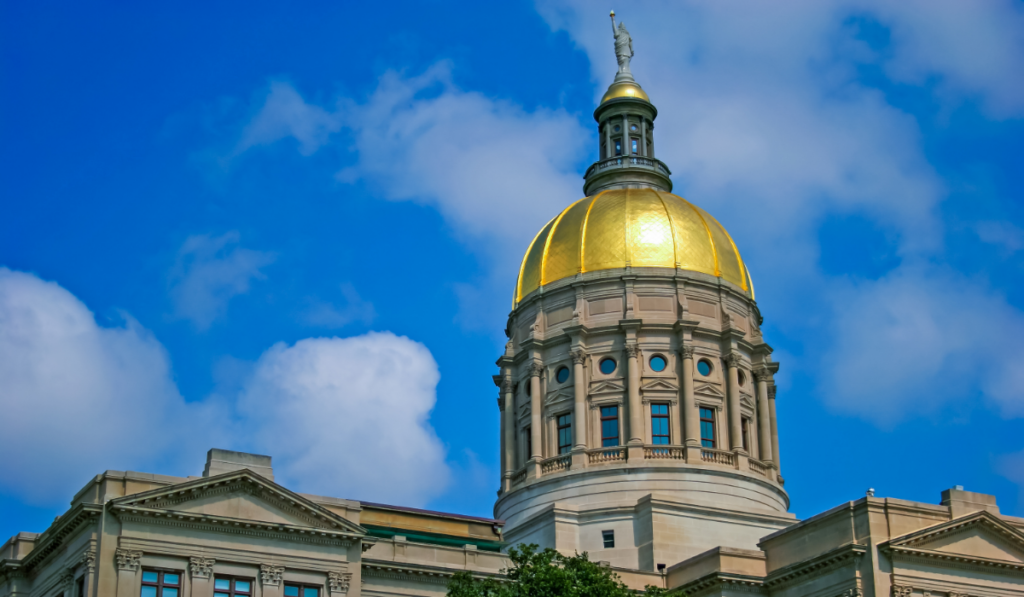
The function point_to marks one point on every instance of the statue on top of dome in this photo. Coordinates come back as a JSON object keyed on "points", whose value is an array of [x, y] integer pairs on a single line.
{"points": [[623, 48]]}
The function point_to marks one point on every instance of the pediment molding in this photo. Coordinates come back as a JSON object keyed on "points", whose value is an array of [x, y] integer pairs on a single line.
{"points": [[559, 397], [921, 544], [708, 389], [659, 384], [162, 502], [236, 526], [607, 387]]}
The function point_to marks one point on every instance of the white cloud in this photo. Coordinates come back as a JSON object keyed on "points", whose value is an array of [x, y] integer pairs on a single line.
{"points": [[1002, 234], [79, 398], [209, 272], [1011, 466], [329, 315], [286, 114], [349, 417], [918, 340]]}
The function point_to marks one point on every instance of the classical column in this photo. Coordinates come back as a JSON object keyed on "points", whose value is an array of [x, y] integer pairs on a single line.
{"points": [[735, 425], [643, 136], [636, 413], [508, 430], [536, 421], [579, 413], [608, 150], [775, 427], [692, 418], [201, 571], [625, 136], [128, 562], [764, 430]]}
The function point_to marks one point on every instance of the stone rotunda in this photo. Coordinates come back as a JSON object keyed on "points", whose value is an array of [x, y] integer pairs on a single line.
{"points": [[637, 395]]}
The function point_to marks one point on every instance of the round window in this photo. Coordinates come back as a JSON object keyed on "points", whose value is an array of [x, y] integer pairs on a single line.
{"points": [[704, 367], [632, 128], [658, 363], [563, 375], [608, 366], [618, 128]]}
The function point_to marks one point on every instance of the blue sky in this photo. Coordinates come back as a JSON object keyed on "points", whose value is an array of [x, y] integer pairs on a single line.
{"points": [[295, 230]]}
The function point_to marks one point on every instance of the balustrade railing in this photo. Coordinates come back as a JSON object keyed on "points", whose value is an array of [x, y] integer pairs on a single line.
{"points": [[760, 468], [519, 476], [558, 463], [606, 455], [717, 456], [665, 453], [625, 161]]}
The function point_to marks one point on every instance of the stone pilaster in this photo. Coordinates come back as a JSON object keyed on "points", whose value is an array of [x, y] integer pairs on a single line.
{"points": [[338, 583], [508, 430], [128, 563], [536, 421], [733, 361], [774, 429], [764, 427], [691, 437], [270, 580], [579, 414], [635, 444], [201, 572]]}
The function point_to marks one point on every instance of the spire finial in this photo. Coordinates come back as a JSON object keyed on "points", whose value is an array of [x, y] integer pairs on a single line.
{"points": [[623, 50]]}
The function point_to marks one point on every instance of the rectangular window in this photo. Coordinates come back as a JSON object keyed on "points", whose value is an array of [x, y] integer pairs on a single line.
{"points": [[609, 539], [80, 587], [226, 586], [301, 591], [529, 442], [707, 428], [636, 143], [160, 583], [564, 434], [745, 432], [618, 147], [659, 424], [609, 426]]}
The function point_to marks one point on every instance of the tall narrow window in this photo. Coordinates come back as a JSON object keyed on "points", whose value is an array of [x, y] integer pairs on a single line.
{"points": [[80, 587], [636, 143], [618, 147], [564, 434], [226, 586], [707, 428], [529, 443], [745, 432], [659, 424], [301, 591], [609, 426], [160, 583]]}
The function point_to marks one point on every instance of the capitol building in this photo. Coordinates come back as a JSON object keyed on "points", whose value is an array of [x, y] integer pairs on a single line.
{"points": [[638, 424]]}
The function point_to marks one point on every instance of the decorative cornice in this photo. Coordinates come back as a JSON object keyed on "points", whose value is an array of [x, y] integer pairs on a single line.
{"points": [[62, 528], [815, 566], [223, 524], [127, 559], [201, 567], [270, 575], [724, 581]]}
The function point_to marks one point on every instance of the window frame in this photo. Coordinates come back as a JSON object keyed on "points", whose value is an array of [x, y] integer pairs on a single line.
{"points": [[232, 592], [745, 433], [618, 147], [664, 360], [558, 374], [301, 587], [711, 421], [634, 145], [711, 367], [618, 432], [668, 428], [563, 422], [608, 537], [528, 442], [160, 584]]}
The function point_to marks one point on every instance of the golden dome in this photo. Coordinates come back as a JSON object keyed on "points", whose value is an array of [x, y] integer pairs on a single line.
{"points": [[630, 227], [625, 89]]}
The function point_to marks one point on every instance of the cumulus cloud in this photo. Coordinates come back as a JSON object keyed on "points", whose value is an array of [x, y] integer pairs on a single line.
{"points": [[285, 114], [917, 340], [79, 398], [209, 272], [345, 415]]}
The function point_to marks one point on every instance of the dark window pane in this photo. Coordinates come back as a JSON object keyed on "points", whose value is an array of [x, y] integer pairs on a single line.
{"points": [[563, 375], [608, 366], [659, 409], [634, 145], [310, 592], [609, 411], [608, 537], [704, 368], [150, 576]]}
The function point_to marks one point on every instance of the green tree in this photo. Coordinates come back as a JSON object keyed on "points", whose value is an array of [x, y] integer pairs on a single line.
{"points": [[548, 573]]}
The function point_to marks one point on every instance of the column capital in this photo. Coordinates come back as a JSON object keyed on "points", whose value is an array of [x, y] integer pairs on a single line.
{"points": [[507, 386], [686, 351], [201, 567], [762, 373], [536, 369], [733, 359], [579, 356], [88, 560], [338, 582], [270, 575], [128, 559], [771, 392], [632, 350]]}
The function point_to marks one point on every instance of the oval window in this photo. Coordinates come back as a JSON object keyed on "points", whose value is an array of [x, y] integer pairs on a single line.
{"points": [[658, 363], [618, 128], [741, 378], [563, 375], [608, 366], [632, 128], [704, 367]]}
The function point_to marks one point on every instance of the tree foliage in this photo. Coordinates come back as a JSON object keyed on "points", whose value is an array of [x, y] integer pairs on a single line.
{"points": [[548, 573]]}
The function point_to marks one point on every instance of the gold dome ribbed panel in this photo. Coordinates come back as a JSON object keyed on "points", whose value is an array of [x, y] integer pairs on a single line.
{"points": [[635, 227]]}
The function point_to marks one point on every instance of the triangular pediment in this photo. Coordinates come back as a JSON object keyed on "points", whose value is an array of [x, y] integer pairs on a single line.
{"points": [[559, 397], [708, 390], [659, 384], [236, 497], [981, 537], [607, 386]]}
